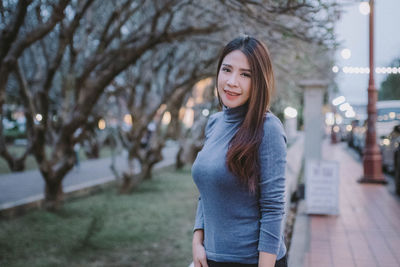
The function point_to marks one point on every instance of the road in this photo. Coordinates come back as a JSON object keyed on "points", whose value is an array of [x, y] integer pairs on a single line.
{"points": [[28, 186]]}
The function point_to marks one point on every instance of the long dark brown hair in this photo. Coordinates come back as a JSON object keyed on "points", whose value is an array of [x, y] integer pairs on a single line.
{"points": [[243, 153]]}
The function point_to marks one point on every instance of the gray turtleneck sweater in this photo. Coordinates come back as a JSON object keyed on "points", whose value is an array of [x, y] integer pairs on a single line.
{"points": [[238, 224]]}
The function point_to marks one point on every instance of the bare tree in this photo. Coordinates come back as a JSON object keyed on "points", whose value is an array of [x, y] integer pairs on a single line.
{"points": [[13, 44], [79, 59], [156, 84], [76, 49], [191, 139]]}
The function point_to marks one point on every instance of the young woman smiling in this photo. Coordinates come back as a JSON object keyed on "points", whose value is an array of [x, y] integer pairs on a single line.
{"points": [[240, 172]]}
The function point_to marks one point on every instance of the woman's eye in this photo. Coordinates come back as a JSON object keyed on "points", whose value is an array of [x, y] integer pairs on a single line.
{"points": [[226, 69], [246, 75]]}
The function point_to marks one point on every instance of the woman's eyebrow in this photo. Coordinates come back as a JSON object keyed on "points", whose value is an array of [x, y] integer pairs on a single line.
{"points": [[230, 66]]}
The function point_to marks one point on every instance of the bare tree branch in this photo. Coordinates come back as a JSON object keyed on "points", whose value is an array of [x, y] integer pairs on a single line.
{"points": [[40, 31], [9, 34]]}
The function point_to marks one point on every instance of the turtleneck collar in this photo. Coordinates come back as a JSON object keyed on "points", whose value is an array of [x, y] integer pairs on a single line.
{"points": [[236, 114]]}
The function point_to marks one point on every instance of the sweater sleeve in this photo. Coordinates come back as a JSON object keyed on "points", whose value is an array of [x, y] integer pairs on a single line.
{"points": [[272, 185], [199, 221]]}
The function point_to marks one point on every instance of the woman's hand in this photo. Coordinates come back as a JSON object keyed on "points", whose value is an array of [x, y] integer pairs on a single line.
{"points": [[199, 256], [198, 250], [266, 259]]}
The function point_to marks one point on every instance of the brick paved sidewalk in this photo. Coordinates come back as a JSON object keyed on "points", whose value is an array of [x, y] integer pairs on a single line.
{"points": [[367, 231]]}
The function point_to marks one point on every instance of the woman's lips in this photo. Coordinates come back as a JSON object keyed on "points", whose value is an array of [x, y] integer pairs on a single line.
{"points": [[231, 96], [230, 93]]}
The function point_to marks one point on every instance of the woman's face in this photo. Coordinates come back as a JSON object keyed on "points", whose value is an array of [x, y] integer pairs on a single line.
{"points": [[234, 79]]}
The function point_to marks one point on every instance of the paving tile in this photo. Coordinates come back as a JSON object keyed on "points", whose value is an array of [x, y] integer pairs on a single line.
{"points": [[320, 245], [367, 230], [307, 260], [394, 245], [379, 248], [342, 252], [363, 263], [343, 263]]}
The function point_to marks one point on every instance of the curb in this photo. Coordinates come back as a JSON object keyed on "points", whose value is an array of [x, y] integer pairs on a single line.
{"points": [[10, 210], [300, 239]]}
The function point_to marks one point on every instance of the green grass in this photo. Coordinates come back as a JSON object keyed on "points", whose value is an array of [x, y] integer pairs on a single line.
{"points": [[30, 163], [150, 227]]}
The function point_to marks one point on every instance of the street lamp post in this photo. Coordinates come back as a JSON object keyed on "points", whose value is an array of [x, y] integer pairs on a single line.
{"points": [[372, 159]]}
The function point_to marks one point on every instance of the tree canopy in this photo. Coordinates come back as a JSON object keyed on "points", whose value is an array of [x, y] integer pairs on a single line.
{"points": [[61, 60], [390, 87]]}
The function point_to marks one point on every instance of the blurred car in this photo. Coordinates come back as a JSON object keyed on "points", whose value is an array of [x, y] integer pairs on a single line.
{"points": [[388, 116], [350, 138], [388, 131], [341, 132], [357, 135], [389, 145], [346, 131]]}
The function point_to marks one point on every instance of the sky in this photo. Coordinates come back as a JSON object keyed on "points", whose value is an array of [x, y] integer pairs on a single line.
{"points": [[352, 33]]}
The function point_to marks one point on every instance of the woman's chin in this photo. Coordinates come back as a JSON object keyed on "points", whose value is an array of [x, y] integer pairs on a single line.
{"points": [[232, 104]]}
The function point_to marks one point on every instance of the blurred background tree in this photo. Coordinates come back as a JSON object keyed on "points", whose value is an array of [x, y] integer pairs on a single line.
{"points": [[90, 71], [390, 87]]}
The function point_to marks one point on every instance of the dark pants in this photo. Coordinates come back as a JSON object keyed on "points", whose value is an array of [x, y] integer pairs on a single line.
{"points": [[280, 263]]}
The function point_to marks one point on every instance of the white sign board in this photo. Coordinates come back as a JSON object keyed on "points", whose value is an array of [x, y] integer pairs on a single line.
{"points": [[322, 187]]}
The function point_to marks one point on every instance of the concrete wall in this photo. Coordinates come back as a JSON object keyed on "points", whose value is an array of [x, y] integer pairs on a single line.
{"points": [[294, 159]]}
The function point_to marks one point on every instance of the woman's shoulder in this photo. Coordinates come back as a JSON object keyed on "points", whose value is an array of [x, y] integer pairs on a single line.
{"points": [[272, 121], [216, 115], [273, 126], [214, 118]]}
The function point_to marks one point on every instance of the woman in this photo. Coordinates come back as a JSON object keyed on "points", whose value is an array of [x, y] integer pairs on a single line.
{"points": [[240, 170]]}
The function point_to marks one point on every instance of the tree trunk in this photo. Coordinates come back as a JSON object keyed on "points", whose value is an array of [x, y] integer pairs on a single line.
{"points": [[92, 150], [129, 182], [129, 179], [153, 156], [15, 164], [18, 165], [191, 142], [54, 194], [147, 168], [174, 127], [126, 186], [179, 162]]}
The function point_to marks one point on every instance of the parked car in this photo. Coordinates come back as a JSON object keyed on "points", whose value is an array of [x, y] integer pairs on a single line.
{"points": [[389, 145], [388, 116], [388, 131], [397, 169], [357, 135], [351, 137]]}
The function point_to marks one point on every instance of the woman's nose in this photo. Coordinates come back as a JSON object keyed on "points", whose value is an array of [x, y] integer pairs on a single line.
{"points": [[232, 81]]}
